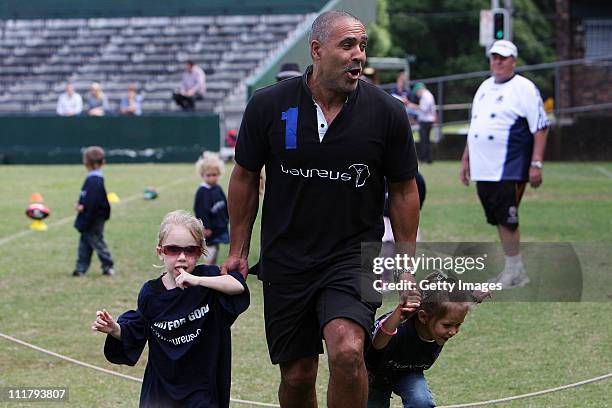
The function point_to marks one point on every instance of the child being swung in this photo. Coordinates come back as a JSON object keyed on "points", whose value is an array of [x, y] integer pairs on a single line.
{"points": [[185, 315], [408, 340]]}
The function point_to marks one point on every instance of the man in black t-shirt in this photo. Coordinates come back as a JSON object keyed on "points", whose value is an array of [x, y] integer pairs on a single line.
{"points": [[328, 141]]}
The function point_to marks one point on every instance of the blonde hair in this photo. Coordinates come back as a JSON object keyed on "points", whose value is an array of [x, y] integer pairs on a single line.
{"points": [[98, 88], [183, 219], [209, 160], [93, 156]]}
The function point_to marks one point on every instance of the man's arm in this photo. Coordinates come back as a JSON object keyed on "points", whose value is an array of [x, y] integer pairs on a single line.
{"points": [[243, 203], [539, 144], [404, 215], [464, 173]]}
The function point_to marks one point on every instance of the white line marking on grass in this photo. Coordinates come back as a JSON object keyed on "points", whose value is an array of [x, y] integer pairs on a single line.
{"points": [[531, 394], [604, 171], [65, 220], [265, 404], [111, 372]]}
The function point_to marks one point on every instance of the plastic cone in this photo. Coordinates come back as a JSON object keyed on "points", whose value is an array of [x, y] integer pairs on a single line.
{"points": [[113, 198], [38, 225], [36, 198]]}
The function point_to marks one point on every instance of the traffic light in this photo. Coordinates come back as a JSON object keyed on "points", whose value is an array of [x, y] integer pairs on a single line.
{"points": [[501, 24]]}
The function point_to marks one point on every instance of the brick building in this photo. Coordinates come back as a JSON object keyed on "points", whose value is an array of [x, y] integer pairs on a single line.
{"points": [[584, 30]]}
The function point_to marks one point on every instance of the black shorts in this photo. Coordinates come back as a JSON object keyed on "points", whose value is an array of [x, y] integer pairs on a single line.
{"points": [[295, 314], [500, 200]]}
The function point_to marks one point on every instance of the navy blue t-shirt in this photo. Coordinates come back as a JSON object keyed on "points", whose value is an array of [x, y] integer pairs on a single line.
{"points": [[405, 353], [189, 338], [211, 207], [94, 201]]}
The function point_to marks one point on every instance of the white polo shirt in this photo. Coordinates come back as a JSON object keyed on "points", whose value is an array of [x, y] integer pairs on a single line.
{"points": [[504, 119]]}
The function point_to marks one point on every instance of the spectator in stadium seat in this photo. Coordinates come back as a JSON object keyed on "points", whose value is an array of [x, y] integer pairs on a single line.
{"points": [[132, 103], [504, 149], [328, 142], [97, 101], [69, 103], [193, 87]]}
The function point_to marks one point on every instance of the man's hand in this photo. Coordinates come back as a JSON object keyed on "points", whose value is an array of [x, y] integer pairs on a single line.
{"points": [[235, 263], [535, 177], [464, 173], [207, 232], [410, 301]]}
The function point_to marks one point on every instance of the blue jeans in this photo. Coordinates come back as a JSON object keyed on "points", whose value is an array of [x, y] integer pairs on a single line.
{"points": [[412, 388], [93, 239]]}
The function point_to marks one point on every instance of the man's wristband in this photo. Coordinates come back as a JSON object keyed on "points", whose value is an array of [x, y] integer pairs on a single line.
{"points": [[381, 327], [398, 272], [537, 164]]}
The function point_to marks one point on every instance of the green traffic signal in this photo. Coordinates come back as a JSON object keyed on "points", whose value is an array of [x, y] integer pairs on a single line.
{"points": [[499, 35]]}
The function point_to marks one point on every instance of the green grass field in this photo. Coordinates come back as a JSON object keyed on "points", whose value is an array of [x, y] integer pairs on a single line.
{"points": [[504, 349]]}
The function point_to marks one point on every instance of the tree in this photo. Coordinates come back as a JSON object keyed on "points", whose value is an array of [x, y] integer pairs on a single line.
{"points": [[443, 35]]}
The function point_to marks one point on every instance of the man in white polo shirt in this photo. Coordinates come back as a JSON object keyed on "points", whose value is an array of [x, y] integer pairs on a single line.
{"points": [[69, 103], [504, 150]]}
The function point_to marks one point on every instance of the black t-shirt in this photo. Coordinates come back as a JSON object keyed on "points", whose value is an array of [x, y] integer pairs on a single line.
{"points": [[323, 198], [405, 353], [210, 206], [189, 338]]}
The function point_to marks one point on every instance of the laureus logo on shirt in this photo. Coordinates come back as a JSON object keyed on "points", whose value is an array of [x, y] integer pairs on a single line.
{"points": [[357, 172]]}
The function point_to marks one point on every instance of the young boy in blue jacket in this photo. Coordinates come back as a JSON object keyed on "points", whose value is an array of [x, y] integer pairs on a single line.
{"points": [[93, 211]]}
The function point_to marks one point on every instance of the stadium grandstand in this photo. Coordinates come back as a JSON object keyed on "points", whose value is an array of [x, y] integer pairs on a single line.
{"points": [[45, 44], [39, 56]]}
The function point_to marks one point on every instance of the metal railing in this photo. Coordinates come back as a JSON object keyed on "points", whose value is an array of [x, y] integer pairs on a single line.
{"points": [[440, 82]]}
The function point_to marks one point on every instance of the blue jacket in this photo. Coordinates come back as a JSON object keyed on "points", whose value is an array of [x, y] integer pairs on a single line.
{"points": [[93, 199]]}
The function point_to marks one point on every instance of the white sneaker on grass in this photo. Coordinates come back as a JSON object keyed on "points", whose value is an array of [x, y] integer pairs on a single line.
{"points": [[511, 278]]}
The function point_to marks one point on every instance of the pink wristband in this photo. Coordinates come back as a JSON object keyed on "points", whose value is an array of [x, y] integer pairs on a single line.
{"points": [[381, 327]]}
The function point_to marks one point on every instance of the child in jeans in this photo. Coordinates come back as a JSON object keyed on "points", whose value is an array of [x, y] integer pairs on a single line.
{"points": [[185, 315], [408, 340], [93, 211], [210, 204]]}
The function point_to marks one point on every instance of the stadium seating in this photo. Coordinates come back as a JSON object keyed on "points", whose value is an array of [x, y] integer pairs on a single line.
{"points": [[38, 57]]}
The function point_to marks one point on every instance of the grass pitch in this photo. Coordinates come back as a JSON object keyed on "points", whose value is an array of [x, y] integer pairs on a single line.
{"points": [[504, 348]]}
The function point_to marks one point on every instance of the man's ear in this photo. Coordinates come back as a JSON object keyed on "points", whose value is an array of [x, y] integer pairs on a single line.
{"points": [[158, 251], [315, 50]]}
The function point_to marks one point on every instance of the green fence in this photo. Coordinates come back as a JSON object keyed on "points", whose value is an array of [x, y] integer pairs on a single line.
{"points": [[54, 139]]}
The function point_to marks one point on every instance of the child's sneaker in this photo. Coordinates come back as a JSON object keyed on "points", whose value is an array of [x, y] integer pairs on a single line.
{"points": [[78, 273], [108, 272]]}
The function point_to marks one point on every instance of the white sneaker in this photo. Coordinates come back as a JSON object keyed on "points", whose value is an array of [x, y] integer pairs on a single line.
{"points": [[521, 279], [511, 278]]}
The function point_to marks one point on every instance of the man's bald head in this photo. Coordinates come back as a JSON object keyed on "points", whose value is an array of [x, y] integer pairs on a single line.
{"points": [[323, 25]]}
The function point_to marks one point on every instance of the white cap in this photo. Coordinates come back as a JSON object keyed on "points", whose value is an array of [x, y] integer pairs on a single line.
{"points": [[504, 48]]}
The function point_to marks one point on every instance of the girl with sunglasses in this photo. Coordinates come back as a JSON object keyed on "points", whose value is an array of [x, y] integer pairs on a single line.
{"points": [[185, 315]]}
